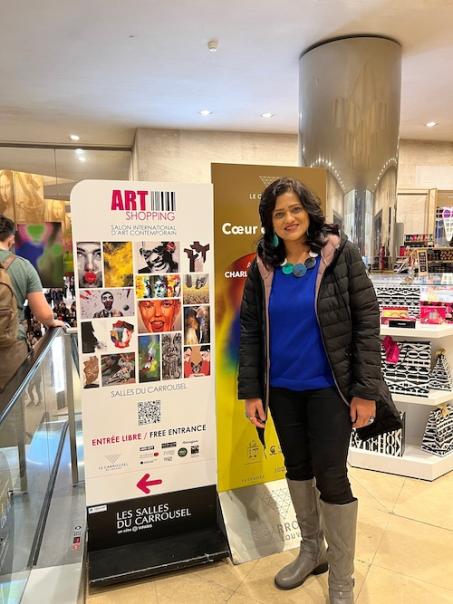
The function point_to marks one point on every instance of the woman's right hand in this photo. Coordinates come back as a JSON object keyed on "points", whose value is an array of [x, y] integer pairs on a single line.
{"points": [[254, 412]]}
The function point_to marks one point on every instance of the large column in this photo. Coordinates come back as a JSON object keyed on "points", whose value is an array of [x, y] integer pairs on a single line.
{"points": [[349, 124]]}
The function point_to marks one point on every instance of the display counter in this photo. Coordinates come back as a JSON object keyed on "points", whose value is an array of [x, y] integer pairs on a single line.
{"points": [[409, 379]]}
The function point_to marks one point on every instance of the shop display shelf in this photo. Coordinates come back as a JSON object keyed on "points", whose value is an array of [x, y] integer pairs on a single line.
{"points": [[415, 463], [435, 397], [429, 332]]}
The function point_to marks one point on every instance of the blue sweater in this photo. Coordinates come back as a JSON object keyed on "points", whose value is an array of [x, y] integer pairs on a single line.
{"points": [[298, 358]]}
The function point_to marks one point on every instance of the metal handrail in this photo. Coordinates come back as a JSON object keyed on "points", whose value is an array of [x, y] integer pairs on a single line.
{"points": [[16, 386], [69, 359]]}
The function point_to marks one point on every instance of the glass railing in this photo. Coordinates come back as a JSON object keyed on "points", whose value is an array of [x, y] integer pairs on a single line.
{"points": [[33, 422], [445, 279]]}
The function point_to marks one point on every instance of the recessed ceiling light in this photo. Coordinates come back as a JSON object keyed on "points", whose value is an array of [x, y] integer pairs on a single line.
{"points": [[81, 158], [267, 115], [205, 112], [79, 151], [213, 45], [74, 137], [430, 124]]}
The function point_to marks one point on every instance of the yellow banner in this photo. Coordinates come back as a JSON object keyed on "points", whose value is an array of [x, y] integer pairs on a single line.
{"points": [[237, 189]]}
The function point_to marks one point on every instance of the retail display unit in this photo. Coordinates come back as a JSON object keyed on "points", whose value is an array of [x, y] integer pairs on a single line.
{"points": [[414, 462], [437, 260]]}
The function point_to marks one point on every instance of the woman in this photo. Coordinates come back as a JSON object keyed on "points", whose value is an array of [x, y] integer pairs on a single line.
{"points": [[310, 350], [73, 315]]}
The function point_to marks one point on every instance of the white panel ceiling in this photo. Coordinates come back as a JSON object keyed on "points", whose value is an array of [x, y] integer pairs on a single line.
{"points": [[103, 68]]}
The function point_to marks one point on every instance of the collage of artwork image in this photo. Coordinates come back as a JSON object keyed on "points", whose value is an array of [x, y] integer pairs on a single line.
{"points": [[149, 297]]}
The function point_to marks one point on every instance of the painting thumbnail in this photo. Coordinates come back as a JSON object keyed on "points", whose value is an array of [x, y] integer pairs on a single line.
{"points": [[118, 369], [196, 289], [197, 361], [196, 325], [118, 270], [158, 286], [105, 303], [157, 316], [90, 376], [157, 257], [149, 358], [171, 356], [89, 264]]}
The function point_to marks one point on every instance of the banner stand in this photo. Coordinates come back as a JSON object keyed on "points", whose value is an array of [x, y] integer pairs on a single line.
{"points": [[149, 558], [145, 302], [259, 516]]}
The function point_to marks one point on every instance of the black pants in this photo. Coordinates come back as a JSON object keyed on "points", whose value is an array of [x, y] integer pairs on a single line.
{"points": [[314, 429]]}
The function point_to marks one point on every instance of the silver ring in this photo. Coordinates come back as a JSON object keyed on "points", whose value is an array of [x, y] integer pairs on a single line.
{"points": [[371, 420]]}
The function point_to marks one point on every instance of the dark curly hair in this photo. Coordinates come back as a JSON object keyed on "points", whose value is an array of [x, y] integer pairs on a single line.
{"points": [[274, 256]]}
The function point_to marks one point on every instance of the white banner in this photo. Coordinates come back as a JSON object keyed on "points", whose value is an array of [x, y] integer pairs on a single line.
{"points": [[143, 256]]}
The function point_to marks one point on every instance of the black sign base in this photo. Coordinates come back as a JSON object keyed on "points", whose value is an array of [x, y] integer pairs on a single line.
{"points": [[137, 560]]}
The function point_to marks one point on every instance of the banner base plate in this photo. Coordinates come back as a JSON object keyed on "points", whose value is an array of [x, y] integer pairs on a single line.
{"points": [[137, 560]]}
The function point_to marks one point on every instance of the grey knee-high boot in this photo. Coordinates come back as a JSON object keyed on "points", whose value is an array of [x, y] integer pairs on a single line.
{"points": [[312, 555], [339, 523]]}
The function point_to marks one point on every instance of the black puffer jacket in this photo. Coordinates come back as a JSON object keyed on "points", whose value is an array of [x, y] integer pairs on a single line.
{"points": [[348, 315]]}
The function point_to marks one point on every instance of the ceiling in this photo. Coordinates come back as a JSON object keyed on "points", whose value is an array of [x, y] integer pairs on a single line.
{"points": [[101, 69]]}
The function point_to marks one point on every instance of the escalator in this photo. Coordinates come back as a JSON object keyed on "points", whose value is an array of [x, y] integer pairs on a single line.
{"points": [[42, 500]]}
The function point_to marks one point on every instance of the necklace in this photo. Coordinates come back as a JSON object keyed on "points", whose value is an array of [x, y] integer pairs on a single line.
{"points": [[299, 269]]}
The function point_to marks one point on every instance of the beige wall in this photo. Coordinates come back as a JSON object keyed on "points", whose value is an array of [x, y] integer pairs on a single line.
{"points": [[186, 155], [425, 165]]}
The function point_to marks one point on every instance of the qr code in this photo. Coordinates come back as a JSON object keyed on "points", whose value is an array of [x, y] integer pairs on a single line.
{"points": [[148, 412]]}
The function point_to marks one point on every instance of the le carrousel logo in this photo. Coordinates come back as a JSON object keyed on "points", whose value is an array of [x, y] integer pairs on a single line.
{"points": [[142, 204]]}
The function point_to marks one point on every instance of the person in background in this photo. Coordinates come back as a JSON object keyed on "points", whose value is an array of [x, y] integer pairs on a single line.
{"points": [[27, 287], [73, 315], [62, 313]]}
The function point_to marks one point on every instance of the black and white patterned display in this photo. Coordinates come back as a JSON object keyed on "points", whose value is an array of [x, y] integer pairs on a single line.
{"points": [[390, 443], [411, 374], [403, 295], [440, 377], [438, 436]]}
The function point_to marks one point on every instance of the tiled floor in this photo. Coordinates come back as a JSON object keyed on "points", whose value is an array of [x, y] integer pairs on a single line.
{"points": [[404, 555]]}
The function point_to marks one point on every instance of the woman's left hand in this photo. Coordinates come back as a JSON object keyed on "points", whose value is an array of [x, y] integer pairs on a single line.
{"points": [[362, 410]]}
